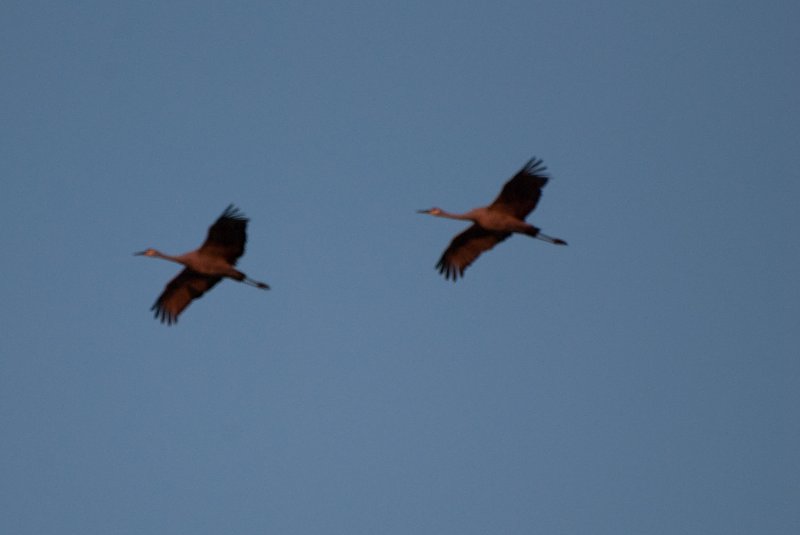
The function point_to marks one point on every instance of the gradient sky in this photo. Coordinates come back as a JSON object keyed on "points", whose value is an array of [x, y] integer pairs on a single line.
{"points": [[643, 380]]}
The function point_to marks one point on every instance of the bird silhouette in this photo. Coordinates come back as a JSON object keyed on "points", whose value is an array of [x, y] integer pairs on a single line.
{"points": [[205, 266], [496, 222]]}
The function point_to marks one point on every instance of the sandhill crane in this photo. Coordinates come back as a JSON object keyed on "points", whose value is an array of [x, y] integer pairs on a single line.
{"points": [[496, 222], [206, 266]]}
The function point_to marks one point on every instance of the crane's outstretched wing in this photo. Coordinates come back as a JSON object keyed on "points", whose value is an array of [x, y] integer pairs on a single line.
{"points": [[521, 194], [465, 248], [227, 236], [179, 292]]}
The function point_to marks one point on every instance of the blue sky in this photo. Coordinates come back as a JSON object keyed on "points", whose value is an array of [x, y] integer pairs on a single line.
{"points": [[642, 380]]}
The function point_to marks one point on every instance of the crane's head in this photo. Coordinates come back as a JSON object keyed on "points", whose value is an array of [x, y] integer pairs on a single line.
{"points": [[147, 252], [431, 211]]}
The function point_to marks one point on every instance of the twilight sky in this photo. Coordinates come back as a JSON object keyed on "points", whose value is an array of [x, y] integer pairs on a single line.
{"points": [[645, 379]]}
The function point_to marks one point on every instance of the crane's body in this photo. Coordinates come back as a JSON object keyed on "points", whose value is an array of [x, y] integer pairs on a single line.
{"points": [[202, 263], [496, 222], [493, 220], [204, 267]]}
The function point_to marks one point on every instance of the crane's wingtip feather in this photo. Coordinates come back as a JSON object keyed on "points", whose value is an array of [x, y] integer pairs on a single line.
{"points": [[449, 271], [232, 212], [536, 167]]}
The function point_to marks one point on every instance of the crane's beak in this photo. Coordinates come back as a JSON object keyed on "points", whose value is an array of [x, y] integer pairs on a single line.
{"points": [[140, 253], [428, 211]]}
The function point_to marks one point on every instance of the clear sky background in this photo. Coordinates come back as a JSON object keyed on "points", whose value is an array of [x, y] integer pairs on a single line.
{"points": [[645, 379]]}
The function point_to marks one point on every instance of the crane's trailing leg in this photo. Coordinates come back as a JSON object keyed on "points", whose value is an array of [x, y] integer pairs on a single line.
{"points": [[241, 277], [534, 232], [550, 239], [251, 282]]}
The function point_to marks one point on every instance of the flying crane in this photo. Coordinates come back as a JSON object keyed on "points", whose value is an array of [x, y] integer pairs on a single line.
{"points": [[205, 267], [496, 222]]}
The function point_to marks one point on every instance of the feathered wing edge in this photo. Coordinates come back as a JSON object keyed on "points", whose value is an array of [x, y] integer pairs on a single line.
{"points": [[180, 292], [227, 237], [465, 248], [522, 192]]}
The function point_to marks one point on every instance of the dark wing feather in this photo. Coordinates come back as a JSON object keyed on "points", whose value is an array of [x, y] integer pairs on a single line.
{"points": [[179, 292], [227, 236], [521, 194], [465, 248]]}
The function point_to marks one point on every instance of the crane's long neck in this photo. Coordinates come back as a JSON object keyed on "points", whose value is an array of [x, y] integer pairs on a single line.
{"points": [[176, 259], [466, 216]]}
